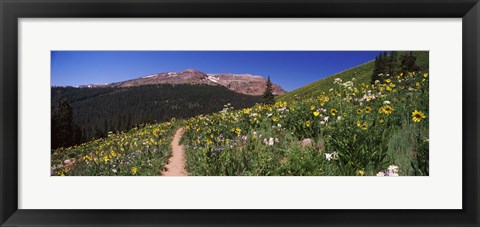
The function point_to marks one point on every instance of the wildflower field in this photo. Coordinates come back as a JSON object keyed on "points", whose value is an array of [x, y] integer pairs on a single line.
{"points": [[369, 120], [351, 129], [142, 150]]}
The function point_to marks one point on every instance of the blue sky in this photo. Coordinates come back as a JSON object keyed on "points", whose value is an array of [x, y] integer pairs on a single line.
{"points": [[289, 69]]}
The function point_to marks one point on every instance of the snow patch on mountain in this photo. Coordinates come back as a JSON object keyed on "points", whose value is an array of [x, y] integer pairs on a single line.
{"points": [[213, 79]]}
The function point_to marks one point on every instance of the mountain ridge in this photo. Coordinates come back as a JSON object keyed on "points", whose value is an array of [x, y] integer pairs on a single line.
{"points": [[247, 84]]}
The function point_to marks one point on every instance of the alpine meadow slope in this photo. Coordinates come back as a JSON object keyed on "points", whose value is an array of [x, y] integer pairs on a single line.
{"points": [[344, 125], [362, 73]]}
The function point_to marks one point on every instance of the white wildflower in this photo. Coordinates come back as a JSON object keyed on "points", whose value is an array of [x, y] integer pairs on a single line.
{"points": [[270, 142], [330, 156], [392, 170]]}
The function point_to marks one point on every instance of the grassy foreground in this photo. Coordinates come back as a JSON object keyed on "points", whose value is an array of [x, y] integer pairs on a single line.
{"points": [[142, 150], [351, 129]]}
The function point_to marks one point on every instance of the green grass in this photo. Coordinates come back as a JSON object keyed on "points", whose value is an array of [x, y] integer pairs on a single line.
{"points": [[362, 73]]}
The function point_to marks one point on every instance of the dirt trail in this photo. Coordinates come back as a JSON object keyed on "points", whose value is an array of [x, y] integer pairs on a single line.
{"points": [[176, 163]]}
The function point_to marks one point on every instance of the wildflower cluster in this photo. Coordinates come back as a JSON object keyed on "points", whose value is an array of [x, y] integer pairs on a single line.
{"points": [[142, 150]]}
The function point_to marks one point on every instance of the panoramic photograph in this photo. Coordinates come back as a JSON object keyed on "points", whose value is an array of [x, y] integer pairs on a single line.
{"points": [[240, 113]]}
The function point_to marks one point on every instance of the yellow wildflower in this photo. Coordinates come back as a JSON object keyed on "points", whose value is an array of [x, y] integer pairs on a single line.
{"points": [[418, 116], [333, 112], [209, 142], [368, 109], [360, 172], [387, 109]]}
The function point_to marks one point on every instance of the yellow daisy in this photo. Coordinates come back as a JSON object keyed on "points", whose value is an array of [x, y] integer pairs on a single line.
{"points": [[368, 109], [387, 109], [417, 116], [333, 112], [307, 123]]}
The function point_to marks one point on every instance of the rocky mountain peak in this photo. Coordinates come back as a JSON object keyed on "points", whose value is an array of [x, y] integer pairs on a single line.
{"points": [[241, 83]]}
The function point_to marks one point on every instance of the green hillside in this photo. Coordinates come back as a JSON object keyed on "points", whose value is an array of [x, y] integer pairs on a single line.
{"points": [[362, 73], [351, 130]]}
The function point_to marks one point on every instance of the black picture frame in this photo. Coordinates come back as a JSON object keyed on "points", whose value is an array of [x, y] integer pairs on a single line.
{"points": [[12, 10]]}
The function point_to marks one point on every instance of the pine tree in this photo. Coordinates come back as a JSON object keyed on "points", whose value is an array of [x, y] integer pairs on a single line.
{"points": [[382, 67], [268, 97], [379, 69], [409, 63], [393, 64], [64, 131], [375, 71]]}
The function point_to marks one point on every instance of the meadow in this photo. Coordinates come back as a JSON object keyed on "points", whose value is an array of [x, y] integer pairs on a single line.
{"points": [[352, 129], [141, 151]]}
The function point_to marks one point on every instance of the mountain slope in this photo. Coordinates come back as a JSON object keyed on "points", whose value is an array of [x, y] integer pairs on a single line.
{"points": [[241, 83], [362, 73]]}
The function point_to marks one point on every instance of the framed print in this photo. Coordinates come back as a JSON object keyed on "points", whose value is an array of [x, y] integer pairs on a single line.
{"points": [[239, 113]]}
